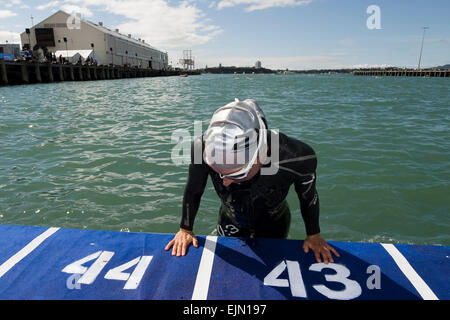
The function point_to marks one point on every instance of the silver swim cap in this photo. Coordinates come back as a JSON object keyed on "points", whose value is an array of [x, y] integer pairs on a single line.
{"points": [[236, 135]]}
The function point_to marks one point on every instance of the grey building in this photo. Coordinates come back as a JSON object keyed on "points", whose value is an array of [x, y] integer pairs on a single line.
{"points": [[10, 48], [62, 31]]}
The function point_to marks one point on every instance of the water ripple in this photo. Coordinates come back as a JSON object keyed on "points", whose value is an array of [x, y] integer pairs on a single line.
{"points": [[98, 154]]}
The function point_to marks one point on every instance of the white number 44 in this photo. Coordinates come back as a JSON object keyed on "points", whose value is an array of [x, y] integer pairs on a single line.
{"points": [[118, 273]]}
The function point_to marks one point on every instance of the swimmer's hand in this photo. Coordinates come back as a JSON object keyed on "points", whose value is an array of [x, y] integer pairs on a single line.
{"points": [[319, 246], [181, 242]]}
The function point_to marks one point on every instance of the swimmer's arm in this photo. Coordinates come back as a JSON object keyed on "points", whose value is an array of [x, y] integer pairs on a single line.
{"points": [[195, 186], [305, 186], [309, 205], [191, 201], [197, 178], [301, 162]]}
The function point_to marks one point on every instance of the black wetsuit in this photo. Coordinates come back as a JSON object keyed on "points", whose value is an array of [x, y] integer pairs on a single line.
{"points": [[258, 207]]}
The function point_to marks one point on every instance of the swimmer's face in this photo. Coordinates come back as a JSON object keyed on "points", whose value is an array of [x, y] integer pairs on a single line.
{"points": [[253, 171]]}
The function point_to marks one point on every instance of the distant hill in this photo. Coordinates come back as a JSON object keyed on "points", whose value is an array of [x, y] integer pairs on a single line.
{"points": [[445, 67], [236, 70]]}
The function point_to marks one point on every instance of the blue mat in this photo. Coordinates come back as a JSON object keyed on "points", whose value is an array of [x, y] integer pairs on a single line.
{"points": [[57, 263]]}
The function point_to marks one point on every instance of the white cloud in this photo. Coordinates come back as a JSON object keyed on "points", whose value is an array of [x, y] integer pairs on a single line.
{"points": [[47, 5], [253, 5], [73, 9], [160, 23], [11, 37], [13, 3], [7, 14]]}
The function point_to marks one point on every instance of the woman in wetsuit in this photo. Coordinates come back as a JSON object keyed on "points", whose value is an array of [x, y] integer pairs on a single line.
{"points": [[237, 151]]}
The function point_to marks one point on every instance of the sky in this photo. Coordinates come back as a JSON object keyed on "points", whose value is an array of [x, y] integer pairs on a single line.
{"points": [[282, 34]]}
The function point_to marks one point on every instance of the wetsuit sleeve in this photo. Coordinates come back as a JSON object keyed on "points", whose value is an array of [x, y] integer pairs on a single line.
{"points": [[196, 182], [309, 204], [305, 186]]}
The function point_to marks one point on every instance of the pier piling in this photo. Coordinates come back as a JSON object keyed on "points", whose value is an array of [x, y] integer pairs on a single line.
{"points": [[48, 73], [79, 72], [60, 72], [24, 73], [4, 76], [71, 73], [37, 72]]}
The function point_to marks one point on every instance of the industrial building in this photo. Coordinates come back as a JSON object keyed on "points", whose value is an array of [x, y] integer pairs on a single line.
{"points": [[62, 32], [9, 51]]}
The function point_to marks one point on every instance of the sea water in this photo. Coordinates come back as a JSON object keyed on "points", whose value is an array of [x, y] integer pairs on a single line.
{"points": [[99, 154]]}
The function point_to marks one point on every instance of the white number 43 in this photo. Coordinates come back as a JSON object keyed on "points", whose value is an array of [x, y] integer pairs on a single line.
{"points": [[297, 286], [88, 275]]}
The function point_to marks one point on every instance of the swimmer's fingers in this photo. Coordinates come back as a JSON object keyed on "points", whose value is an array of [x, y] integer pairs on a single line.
{"points": [[195, 241], [169, 245], [181, 242]]}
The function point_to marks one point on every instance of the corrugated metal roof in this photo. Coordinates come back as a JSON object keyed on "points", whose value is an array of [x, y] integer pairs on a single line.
{"points": [[121, 36]]}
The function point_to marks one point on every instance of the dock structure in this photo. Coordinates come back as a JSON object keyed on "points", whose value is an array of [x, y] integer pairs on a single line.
{"points": [[25, 72], [57, 263], [404, 73]]}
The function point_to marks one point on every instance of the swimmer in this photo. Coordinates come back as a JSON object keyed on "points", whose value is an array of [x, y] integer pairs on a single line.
{"points": [[236, 148]]}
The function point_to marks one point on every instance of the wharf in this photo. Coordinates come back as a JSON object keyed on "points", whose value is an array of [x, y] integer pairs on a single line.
{"points": [[404, 73], [25, 72]]}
